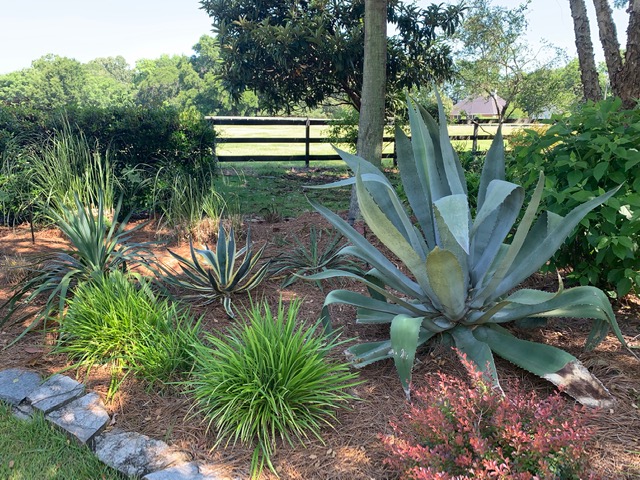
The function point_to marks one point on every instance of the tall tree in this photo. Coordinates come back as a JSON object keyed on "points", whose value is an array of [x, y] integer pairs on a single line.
{"points": [[623, 71], [372, 107], [306, 51], [495, 60], [588, 72]]}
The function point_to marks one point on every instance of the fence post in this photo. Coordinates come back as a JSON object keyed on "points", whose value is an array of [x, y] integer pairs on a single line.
{"points": [[474, 145], [306, 146]]}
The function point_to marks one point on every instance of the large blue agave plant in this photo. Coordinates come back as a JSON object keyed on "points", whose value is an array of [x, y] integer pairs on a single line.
{"points": [[461, 273]]}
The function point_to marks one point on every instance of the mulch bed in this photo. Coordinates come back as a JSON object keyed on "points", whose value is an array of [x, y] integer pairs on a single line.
{"points": [[353, 449]]}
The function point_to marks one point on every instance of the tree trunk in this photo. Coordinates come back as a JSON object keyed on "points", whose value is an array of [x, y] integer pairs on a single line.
{"points": [[610, 44], [372, 117], [629, 80], [588, 73]]}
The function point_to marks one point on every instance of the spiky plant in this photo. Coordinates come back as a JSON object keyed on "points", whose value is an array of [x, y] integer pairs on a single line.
{"points": [[458, 274], [96, 248], [219, 274], [301, 260]]}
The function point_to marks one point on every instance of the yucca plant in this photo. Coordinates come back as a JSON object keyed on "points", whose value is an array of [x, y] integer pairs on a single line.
{"points": [[458, 274], [95, 249], [219, 274], [301, 260]]}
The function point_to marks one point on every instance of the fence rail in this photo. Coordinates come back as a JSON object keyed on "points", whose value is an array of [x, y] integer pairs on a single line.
{"points": [[307, 140]]}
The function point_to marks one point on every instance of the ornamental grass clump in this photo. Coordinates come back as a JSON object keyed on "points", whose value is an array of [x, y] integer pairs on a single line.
{"points": [[269, 379], [468, 430], [117, 320], [451, 277]]}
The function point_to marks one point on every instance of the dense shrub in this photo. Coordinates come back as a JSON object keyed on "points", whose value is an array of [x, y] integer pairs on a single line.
{"points": [[146, 144], [584, 155], [471, 431]]}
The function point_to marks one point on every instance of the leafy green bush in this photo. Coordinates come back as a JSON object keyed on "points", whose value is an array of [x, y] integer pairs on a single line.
{"points": [[96, 248], [111, 320], [269, 378], [458, 271], [140, 140], [456, 430], [216, 276], [595, 149]]}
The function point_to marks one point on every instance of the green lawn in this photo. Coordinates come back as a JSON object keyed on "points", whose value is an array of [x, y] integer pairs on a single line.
{"points": [[35, 450], [318, 131]]}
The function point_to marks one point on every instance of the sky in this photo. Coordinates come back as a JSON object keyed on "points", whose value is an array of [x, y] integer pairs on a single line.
{"points": [[136, 29]]}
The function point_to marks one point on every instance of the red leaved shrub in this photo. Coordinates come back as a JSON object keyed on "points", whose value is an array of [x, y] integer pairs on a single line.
{"points": [[459, 430]]}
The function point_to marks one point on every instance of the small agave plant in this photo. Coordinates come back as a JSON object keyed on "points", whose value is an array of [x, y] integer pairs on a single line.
{"points": [[220, 273], [460, 274]]}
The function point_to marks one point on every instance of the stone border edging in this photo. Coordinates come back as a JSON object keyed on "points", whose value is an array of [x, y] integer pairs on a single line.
{"points": [[83, 417]]}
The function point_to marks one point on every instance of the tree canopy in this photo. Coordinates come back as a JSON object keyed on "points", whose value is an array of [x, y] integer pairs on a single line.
{"points": [[293, 52], [495, 60]]}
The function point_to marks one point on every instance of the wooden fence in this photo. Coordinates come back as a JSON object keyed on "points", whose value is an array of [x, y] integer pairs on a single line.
{"points": [[307, 140]]}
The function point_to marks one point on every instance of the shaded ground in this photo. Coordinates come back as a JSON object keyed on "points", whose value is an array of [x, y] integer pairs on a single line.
{"points": [[352, 450]]}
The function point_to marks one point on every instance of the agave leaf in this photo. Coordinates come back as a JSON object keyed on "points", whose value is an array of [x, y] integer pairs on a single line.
{"points": [[368, 253], [544, 250], [390, 236], [493, 168], [387, 274], [416, 187], [385, 196], [553, 364], [364, 354], [362, 301], [453, 169], [578, 302], [404, 343], [452, 220], [447, 281], [519, 238], [327, 274], [425, 154], [492, 224], [476, 351]]}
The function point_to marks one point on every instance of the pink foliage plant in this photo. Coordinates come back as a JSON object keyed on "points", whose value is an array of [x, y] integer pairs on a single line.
{"points": [[459, 430]]}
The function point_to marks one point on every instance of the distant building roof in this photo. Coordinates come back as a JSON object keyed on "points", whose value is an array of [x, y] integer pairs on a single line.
{"points": [[478, 106]]}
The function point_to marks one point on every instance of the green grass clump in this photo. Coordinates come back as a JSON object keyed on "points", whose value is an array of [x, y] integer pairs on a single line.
{"points": [[36, 450], [112, 321], [266, 379]]}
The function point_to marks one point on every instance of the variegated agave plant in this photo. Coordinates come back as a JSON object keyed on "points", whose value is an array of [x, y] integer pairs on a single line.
{"points": [[219, 273], [460, 272]]}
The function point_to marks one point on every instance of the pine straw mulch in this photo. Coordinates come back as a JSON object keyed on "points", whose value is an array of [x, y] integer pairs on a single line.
{"points": [[352, 450]]}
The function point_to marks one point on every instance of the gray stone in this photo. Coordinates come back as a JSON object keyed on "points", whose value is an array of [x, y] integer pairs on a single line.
{"points": [[83, 418], [135, 454], [16, 384], [24, 411], [186, 471], [56, 392]]}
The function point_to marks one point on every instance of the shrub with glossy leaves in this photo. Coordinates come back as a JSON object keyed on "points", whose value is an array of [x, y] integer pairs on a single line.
{"points": [[595, 149], [267, 379], [460, 430]]}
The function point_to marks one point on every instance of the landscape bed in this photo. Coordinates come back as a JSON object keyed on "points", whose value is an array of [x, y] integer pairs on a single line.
{"points": [[353, 450]]}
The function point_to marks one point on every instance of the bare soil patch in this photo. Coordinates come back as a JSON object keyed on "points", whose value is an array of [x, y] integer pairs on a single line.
{"points": [[352, 450]]}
